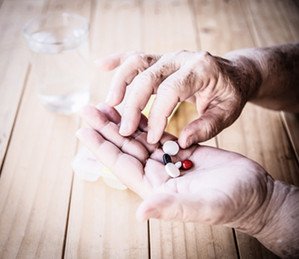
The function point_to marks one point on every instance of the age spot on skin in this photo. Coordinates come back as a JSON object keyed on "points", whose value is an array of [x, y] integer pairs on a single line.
{"points": [[149, 60], [189, 79]]}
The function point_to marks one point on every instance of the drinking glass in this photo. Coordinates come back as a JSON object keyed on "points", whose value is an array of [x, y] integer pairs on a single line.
{"points": [[60, 59]]}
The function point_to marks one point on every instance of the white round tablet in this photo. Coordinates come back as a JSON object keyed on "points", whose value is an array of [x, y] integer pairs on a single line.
{"points": [[171, 148], [172, 170]]}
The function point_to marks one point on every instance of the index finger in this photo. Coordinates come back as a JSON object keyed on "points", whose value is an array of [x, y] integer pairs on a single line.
{"points": [[143, 86], [128, 70], [113, 61], [172, 91]]}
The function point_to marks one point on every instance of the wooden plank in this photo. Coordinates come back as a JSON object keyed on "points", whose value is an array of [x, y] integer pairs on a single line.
{"points": [[13, 62], [282, 27], [169, 26], [279, 30], [36, 178], [225, 26], [188, 240], [35, 182], [102, 222], [272, 22], [221, 26], [116, 27], [246, 136]]}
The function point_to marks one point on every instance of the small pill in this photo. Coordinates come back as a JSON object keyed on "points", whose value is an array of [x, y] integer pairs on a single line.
{"points": [[187, 164], [178, 164], [166, 159], [172, 170], [171, 148]]}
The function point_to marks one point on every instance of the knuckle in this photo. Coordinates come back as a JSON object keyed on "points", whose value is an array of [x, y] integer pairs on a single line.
{"points": [[134, 58], [181, 52], [175, 54], [141, 60], [148, 60], [167, 89], [205, 56], [130, 106], [147, 76]]}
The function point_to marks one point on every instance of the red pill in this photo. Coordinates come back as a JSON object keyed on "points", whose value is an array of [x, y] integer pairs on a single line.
{"points": [[187, 164]]}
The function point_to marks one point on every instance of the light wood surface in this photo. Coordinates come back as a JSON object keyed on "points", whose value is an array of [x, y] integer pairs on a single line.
{"points": [[47, 212]]}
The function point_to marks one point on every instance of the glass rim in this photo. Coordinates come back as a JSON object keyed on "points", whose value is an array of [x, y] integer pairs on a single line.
{"points": [[28, 36]]}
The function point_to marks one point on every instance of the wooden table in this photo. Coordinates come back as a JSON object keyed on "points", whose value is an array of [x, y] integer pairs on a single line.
{"points": [[46, 212]]}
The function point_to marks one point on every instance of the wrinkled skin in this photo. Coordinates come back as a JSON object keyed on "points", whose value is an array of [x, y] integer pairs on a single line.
{"points": [[220, 87], [217, 86], [220, 188]]}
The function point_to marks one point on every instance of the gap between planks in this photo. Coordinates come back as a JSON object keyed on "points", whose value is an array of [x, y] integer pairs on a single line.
{"points": [[16, 116]]}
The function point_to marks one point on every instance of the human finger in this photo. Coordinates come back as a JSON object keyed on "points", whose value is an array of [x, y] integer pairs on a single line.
{"points": [[126, 167], [112, 61], [140, 135], [141, 89], [174, 89], [211, 123], [111, 113], [110, 131], [129, 69]]}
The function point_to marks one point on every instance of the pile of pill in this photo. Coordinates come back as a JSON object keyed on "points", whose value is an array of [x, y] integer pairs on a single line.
{"points": [[171, 148]]}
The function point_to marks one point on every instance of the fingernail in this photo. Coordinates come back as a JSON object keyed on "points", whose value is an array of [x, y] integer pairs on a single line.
{"points": [[124, 128], [150, 137]]}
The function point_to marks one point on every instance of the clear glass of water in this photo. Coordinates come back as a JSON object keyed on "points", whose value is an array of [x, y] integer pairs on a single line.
{"points": [[60, 57]]}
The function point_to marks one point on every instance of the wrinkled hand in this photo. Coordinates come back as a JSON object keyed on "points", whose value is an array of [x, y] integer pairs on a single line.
{"points": [[217, 86], [221, 188]]}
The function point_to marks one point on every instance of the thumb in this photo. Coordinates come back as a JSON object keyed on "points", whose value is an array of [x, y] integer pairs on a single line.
{"points": [[204, 128]]}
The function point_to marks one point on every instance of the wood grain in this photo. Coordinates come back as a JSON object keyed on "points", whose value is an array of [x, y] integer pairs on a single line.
{"points": [[45, 212], [36, 176], [238, 29], [170, 27], [272, 23], [14, 65], [102, 221]]}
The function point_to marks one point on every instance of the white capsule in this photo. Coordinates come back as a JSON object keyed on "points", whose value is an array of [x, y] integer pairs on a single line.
{"points": [[172, 170], [171, 148], [178, 164]]}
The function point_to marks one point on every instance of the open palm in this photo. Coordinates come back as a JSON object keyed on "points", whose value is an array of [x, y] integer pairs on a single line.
{"points": [[221, 188]]}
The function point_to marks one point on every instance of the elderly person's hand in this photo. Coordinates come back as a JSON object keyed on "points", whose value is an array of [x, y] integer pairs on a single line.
{"points": [[219, 87], [221, 188]]}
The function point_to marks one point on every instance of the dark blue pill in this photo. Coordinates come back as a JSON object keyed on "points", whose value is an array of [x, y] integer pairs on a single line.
{"points": [[166, 159]]}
